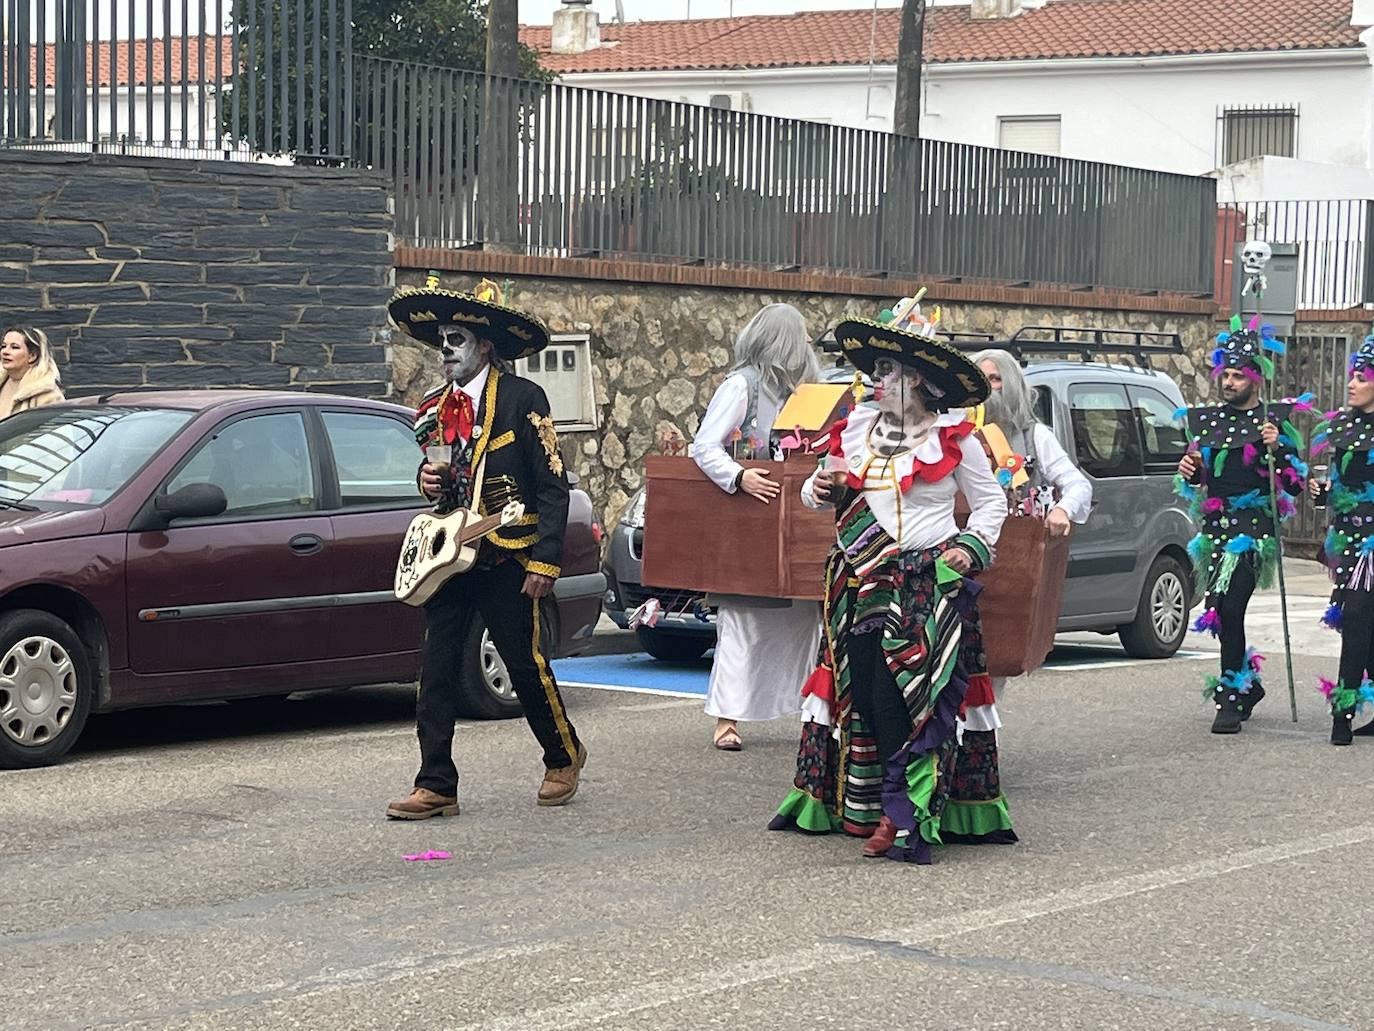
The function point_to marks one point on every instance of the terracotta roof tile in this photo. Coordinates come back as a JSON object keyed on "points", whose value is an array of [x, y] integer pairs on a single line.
{"points": [[189, 67], [1060, 29]]}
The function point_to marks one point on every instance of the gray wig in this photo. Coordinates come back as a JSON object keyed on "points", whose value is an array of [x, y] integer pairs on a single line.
{"points": [[775, 342], [1012, 407]]}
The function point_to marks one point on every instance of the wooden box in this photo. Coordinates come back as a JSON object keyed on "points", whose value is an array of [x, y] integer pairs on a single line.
{"points": [[1021, 596], [699, 538]]}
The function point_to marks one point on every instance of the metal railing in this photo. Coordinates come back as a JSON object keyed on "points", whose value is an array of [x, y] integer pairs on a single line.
{"points": [[1334, 240], [587, 172], [559, 170], [242, 77]]}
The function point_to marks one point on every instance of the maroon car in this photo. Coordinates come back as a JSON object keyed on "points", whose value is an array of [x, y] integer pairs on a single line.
{"points": [[170, 547]]}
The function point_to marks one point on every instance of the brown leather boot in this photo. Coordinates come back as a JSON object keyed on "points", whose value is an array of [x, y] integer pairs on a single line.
{"points": [[421, 805], [882, 839], [561, 784]]}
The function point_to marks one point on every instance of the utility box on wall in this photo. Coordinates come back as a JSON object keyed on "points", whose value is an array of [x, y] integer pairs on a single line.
{"points": [[1280, 300], [564, 370]]}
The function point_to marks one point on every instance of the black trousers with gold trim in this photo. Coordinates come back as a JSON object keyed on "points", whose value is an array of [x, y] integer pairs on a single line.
{"points": [[516, 626]]}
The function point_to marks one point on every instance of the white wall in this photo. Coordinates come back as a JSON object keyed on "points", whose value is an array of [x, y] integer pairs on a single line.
{"points": [[116, 124], [1272, 178], [1156, 113]]}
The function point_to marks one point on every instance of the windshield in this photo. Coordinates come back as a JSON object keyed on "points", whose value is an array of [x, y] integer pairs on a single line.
{"points": [[77, 457]]}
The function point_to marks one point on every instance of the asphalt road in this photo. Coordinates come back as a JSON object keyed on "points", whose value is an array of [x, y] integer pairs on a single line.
{"points": [[219, 867]]}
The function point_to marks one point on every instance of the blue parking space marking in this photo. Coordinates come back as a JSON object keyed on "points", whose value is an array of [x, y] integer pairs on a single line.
{"points": [[637, 672]]}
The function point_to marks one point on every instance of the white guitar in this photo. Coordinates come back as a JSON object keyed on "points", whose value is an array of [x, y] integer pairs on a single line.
{"points": [[439, 547]]}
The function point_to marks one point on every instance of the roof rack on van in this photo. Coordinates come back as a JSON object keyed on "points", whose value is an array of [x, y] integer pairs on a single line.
{"points": [[1090, 342], [829, 345]]}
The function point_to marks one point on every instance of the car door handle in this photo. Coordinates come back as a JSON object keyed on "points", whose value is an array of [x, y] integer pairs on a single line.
{"points": [[305, 544]]}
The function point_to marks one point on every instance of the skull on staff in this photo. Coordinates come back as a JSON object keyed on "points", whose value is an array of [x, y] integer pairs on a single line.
{"points": [[1254, 256]]}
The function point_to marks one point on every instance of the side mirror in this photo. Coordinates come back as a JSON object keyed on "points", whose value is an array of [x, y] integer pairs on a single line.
{"points": [[194, 501]]}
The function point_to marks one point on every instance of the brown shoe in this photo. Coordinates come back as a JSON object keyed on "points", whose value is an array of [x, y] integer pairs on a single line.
{"points": [[883, 839], [560, 785], [421, 805]]}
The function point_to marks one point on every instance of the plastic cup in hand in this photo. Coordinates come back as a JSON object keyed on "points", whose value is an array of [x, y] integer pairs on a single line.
{"points": [[837, 469], [439, 454], [1319, 477]]}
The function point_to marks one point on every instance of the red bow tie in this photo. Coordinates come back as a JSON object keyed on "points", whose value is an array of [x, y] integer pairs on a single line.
{"points": [[456, 418]]}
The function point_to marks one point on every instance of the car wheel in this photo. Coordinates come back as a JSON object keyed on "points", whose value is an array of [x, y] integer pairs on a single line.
{"points": [[486, 691], [46, 688], [1161, 618], [667, 646]]}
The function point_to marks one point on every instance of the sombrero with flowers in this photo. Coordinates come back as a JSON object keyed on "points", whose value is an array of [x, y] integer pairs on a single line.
{"points": [[420, 312], [906, 335]]}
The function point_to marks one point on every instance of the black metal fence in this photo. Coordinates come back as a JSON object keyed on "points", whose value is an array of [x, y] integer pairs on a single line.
{"points": [[1334, 240], [239, 78], [560, 170], [586, 172]]}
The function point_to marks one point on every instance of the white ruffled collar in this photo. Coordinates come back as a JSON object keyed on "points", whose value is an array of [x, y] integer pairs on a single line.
{"points": [[857, 453]]}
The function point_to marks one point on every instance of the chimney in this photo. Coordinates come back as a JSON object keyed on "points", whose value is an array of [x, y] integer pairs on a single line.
{"points": [[576, 28], [991, 10]]}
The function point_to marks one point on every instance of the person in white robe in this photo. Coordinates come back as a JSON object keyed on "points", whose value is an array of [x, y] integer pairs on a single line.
{"points": [[765, 647]]}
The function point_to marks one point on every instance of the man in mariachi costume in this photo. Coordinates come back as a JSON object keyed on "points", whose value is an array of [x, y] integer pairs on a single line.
{"points": [[1225, 476], [1348, 436], [502, 437]]}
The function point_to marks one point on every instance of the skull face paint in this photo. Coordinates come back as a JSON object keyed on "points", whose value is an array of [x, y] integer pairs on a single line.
{"points": [[464, 355], [895, 390]]}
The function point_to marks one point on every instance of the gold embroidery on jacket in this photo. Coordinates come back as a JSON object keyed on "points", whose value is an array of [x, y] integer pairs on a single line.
{"points": [[549, 438], [506, 438]]}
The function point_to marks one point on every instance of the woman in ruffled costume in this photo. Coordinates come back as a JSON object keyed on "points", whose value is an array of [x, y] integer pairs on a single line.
{"points": [[1348, 434], [882, 754], [1225, 478]]}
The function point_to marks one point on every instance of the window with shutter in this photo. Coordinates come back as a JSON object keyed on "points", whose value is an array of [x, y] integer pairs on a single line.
{"points": [[1038, 135]]}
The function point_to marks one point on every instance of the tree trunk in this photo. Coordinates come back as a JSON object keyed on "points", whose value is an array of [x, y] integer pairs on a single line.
{"points": [[906, 120], [498, 160], [503, 40], [903, 187]]}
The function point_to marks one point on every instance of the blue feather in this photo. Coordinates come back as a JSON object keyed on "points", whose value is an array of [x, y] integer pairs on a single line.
{"points": [[1239, 545], [1180, 414]]}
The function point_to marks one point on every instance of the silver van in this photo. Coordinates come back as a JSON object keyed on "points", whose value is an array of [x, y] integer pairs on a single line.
{"points": [[1129, 573]]}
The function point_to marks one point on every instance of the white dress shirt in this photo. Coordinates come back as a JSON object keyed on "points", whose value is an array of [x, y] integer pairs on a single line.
{"points": [[923, 515], [729, 405], [1057, 469]]}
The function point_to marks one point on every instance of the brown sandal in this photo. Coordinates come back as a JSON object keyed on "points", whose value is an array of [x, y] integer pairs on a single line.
{"points": [[727, 739]]}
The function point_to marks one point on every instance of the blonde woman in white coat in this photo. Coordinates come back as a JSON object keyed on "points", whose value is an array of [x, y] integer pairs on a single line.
{"points": [[30, 376], [765, 648]]}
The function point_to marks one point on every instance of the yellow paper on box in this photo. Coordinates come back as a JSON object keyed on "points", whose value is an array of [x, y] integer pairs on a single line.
{"points": [[813, 407], [1001, 451]]}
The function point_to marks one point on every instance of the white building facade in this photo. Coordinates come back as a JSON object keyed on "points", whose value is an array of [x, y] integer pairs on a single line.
{"points": [[1187, 112]]}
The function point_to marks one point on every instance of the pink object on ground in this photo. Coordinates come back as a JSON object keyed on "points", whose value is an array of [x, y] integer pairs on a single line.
{"points": [[425, 857]]}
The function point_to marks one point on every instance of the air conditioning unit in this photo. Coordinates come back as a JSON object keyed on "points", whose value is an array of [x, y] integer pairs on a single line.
{"points": [[731, 101]]}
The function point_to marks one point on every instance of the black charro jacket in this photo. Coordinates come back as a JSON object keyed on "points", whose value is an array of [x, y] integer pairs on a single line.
{"points": [[515, 434]]}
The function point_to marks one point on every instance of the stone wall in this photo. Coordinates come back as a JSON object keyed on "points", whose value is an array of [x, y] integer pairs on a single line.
{"points": [[156, 273], [660, 351]]}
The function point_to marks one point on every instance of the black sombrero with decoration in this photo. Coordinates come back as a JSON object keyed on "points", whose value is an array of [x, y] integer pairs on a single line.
{"points": [[420, 312], [906, 336]]}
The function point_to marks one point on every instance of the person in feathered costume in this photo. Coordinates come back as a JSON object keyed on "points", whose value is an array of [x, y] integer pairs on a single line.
{"points": [[1348, 434], [1225, 476], [899, 720]]}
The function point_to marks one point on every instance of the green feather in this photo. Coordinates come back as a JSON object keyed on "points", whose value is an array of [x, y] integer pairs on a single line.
{"points": [[1292, 433], [1218, 462], [1236, 324], [1345, 461]]}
